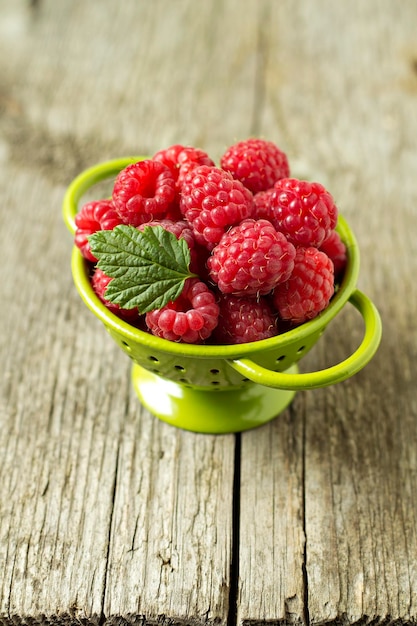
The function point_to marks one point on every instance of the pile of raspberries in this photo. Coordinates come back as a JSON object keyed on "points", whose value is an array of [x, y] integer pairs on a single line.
{"points": [[263, 244]]}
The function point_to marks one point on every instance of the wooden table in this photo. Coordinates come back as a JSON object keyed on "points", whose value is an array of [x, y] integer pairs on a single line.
{"points": [[109, 515]]}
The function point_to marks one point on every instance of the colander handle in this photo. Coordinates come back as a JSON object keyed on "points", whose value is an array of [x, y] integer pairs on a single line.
{"points": [[331, 375]]}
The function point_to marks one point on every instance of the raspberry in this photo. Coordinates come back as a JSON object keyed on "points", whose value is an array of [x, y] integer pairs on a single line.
{"points": [[181, 229], [335, 249], [257, 163], [212, 201], [243, 320], [99, 283], [305, 212], [190, 158], [261, 204], [308, 290], [144, 190], [191, 318], [181, 159], [251, 259], [94, 216], [169, 157]]}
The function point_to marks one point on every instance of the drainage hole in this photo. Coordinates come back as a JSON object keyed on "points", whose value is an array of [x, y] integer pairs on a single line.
{"points": [[301, 349], [214, 372], [126, 346], [215, 382], [180, 368], [280, 358], [184, 380], [153, 358]]}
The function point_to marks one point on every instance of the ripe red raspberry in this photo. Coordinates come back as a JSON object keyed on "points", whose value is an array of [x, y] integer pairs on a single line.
{"points": [[212, 201], [190, 158], [243, 320], [308, 290], [251, 259], [99, 282], [181, 159], [169, 157], [257, 163], [305, 212], [335, 249], [143, 191], [184, 230], [261, 204], [191, 318], [94, 216]]}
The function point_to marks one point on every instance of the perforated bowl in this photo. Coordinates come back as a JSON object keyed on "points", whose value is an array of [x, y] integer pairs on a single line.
{"points": [[220, 389]]}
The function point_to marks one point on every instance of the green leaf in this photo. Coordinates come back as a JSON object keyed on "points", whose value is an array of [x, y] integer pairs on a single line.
{"points": [[148, 268]]}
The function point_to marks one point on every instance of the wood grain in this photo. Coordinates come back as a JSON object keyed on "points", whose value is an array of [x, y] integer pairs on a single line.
{"points": [[272, 541], [89, 477], [341, 88], [108, 515], [59, 432], [170, 545]]}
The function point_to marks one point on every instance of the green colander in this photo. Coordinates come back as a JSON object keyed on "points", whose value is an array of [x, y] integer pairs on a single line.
{"points": [[223, 389]]}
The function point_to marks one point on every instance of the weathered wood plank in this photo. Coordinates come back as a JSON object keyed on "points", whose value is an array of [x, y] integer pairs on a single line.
{"points": [[340, 88], [170, 549], [59, 432], [271, 523], [83, 465], [187, 543]]}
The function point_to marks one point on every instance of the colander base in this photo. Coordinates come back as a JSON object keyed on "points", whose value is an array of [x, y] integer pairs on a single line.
{"points": [[217, 411]]}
